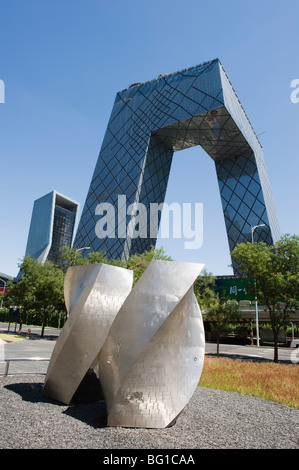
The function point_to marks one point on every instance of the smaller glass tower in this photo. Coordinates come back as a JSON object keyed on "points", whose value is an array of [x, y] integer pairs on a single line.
{"points": [[52, 226]]}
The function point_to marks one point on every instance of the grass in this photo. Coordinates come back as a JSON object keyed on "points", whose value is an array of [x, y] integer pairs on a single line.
{"points": [[276, 382], [10, 337]]}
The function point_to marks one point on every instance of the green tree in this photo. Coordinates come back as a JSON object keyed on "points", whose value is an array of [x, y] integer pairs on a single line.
{"points": [[70, 257], [22, 293], [221, 312], [49, 294], [139, 262], [74, 257], [96, 257], [41, 288], [275, 270], [204, 288]]}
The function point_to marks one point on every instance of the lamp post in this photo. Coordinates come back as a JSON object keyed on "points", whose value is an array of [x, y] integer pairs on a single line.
{"points": [[84, 248], [73, 262], [256, 307], [4, 286]]}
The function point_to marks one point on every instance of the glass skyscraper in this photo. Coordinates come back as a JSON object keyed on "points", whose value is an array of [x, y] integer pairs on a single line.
{"points": [[149, 122], [52, 226]]}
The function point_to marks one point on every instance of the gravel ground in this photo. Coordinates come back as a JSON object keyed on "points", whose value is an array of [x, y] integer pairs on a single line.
{"points": [[213, 419]]}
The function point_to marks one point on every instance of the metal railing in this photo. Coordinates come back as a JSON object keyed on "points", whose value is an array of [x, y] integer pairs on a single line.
{"points": [[8, 360]]}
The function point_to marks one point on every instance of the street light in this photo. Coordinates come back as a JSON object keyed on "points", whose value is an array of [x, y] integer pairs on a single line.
{"points": [[84, 248], [77, 251], [253, 229], [256, 307], [4, 286]]}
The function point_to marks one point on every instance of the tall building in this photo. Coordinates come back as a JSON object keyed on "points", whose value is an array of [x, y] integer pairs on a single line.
{"points": [[52, 225], [149, 122]]}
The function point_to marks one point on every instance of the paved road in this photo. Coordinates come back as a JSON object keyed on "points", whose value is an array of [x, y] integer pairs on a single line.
{"points": [[254, 353], [28, 346], [50, 333], [42, 347]]}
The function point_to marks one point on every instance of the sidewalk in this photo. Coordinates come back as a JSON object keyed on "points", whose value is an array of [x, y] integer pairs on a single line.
{"points": [[32, 345]]}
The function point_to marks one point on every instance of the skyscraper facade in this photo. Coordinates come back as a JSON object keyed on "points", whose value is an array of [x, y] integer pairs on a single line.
{"points": [[52, 226], [149, 122]]}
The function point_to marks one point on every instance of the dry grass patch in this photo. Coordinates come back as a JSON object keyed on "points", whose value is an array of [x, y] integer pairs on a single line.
{"points": [[276, 382], [8, 337]]}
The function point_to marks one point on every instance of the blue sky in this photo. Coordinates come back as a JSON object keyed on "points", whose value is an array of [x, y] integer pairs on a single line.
{"points": [[62, 62]]}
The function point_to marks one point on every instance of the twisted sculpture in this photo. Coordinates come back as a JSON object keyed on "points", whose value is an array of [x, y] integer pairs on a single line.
{"points": [[93, 295], [151, 361], [145, 345]]}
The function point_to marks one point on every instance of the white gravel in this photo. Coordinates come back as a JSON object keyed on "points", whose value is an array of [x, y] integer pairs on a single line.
{"points": [[213, 419]]}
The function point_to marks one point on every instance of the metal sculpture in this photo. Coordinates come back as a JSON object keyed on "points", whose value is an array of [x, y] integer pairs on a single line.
{"points": [[93, 296], [152, 359]]}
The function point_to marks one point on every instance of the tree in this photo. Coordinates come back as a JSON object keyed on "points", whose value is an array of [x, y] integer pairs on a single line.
{"points": [[41, 287], [204, 287], [70, 257], [49, 294], [275, 270], [139, 262], [22, 293], [74, 257], [221, 312], [218, 310]]}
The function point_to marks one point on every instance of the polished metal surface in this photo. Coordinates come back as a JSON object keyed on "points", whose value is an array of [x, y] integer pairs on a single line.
{"points": [[152, 359], [93, 296]]}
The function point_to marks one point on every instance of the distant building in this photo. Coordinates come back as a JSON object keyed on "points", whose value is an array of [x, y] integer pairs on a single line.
{"points": [[52, 226], [4, 278]]}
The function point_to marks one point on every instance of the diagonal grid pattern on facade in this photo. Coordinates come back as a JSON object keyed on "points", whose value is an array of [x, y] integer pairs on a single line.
{"points": [[151, 121]]}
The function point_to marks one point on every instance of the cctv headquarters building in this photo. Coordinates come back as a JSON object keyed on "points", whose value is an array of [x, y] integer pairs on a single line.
{"points": [[152, 120]]}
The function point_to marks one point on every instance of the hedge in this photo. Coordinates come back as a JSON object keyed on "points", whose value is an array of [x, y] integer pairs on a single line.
{"points": [[56, 320]]}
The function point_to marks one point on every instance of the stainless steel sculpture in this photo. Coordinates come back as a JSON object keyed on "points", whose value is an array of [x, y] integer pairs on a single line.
{"points": [[152, 359], [93, 296], [145, 346]]}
